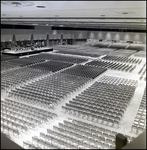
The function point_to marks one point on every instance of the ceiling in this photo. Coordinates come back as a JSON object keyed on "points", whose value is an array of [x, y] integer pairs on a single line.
{"points": [[93, 14]]}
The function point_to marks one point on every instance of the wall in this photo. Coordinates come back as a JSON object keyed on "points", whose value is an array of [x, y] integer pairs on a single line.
{"points": [[6, 34], [124, 36]]}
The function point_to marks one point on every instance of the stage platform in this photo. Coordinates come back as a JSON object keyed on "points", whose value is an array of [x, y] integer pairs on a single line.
{"points": [[27, 52]]}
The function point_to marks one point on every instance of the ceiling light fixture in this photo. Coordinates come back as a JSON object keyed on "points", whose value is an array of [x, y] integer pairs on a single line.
{"points": [[40, 6], [125, 13], [17, 3]]}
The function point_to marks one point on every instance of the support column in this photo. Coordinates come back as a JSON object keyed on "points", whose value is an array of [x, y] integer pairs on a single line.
{"points": [[61, 39], [47, 40]]}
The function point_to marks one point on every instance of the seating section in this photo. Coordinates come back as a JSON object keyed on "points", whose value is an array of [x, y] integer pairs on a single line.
{"points": [[85, 71], [123, 52], [58, 101], [122, 59], [75, 134], [142, 71], [25, 61], [5, 57], [111, 65], [6, 66], [119, 45], [117, 81], [51, 66], [140, 54], [139, 124], [18, 118], [135, 46], [19, 76], [49, 91], [49, 56], [78, 53], [103, 102]]}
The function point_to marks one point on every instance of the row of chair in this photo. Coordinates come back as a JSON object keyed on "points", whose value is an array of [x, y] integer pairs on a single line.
{"points": [[102, 103], [6, 66], [19, 76], [78, 53], [58, 57], [23, 117], [144, 66], [111, 65], [117, 81], [76, 134], [51, 66], [122, 59], [139, 124], [85, 71], [49, 91], [26, 61]]}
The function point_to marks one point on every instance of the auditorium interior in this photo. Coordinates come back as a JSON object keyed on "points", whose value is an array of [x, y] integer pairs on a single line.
{"points": [[73, 74]]}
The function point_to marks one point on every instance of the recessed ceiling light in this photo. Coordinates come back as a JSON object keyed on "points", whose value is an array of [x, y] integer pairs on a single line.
{"points": [[125, 13], [40, 6], [103, 15]]}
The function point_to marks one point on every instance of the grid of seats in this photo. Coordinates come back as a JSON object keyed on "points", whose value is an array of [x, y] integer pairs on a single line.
{"points": [[62, 58], [135, 46], [47, 92], [119, 45], [139, 124], [123, 52], [117, 81], [103, 103], [78, 53], [5, 57], [140, 54], [19, 76], [122, 59], [85, 71], [142, 71], [25, 61], [111, 65], [74, 134], [51, 66], [6, 66], [18, 118]]}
